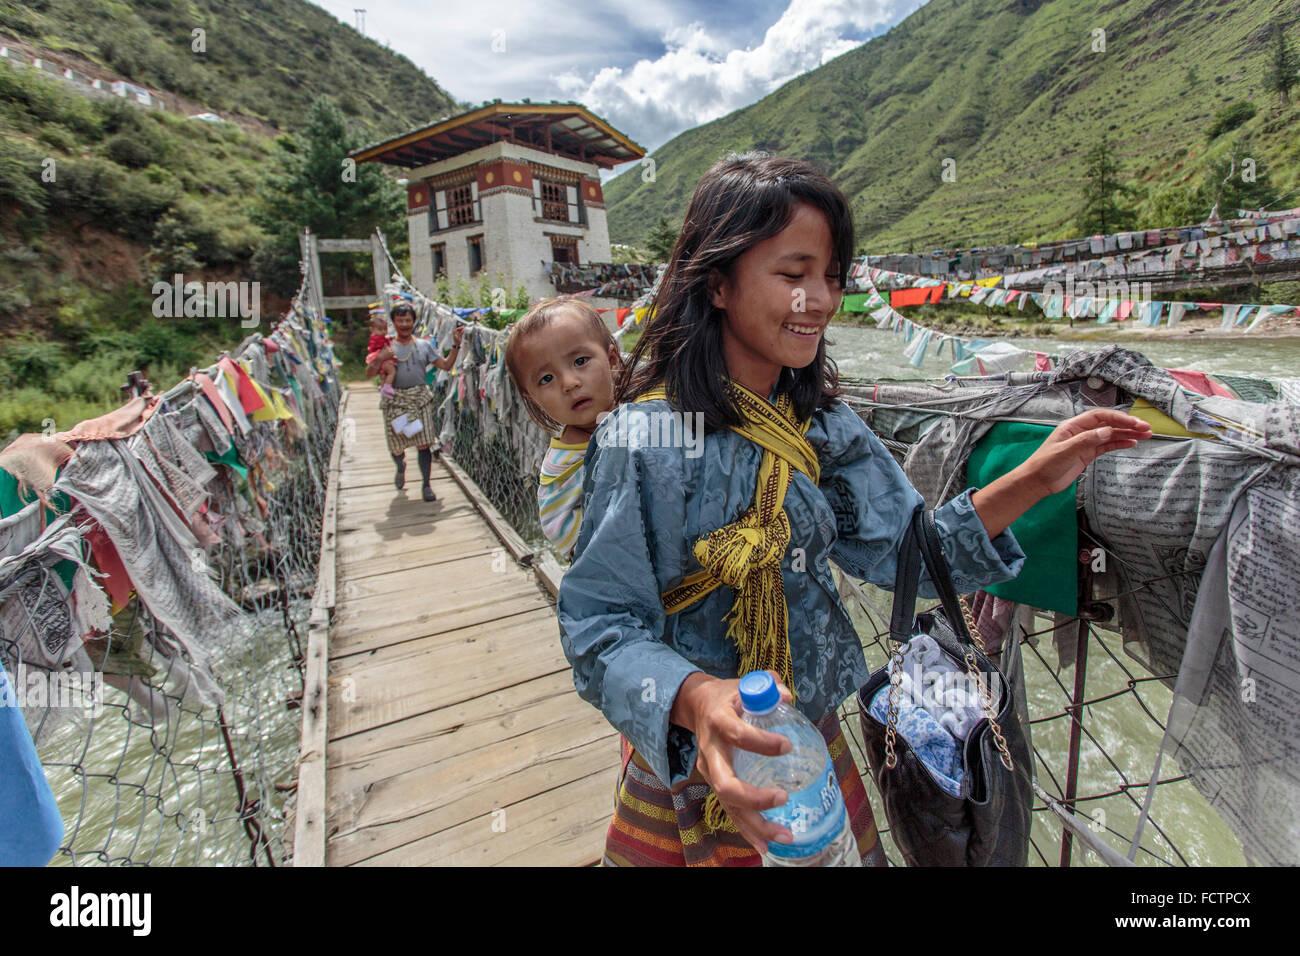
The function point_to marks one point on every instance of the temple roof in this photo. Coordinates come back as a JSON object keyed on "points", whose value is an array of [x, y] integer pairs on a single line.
{"points": [[564, 129]]}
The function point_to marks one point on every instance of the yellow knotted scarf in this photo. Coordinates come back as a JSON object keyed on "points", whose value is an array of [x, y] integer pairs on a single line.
{"points": [[746, 554]]}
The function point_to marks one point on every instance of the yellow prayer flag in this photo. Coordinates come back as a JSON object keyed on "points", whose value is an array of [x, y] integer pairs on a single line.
{"points": [[273, 408], [1162, 424]]}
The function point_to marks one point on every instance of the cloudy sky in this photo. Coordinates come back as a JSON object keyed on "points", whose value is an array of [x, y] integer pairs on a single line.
{"points": [[652, 68]]}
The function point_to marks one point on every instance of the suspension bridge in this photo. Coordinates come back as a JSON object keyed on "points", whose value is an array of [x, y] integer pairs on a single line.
{"points": [[382, 682]]}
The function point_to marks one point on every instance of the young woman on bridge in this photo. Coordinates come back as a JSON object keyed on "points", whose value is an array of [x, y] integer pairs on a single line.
{"points": [[789, 478]]}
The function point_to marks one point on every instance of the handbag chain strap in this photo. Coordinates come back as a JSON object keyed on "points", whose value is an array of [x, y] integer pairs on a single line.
{"points": [[986, 696], [891, 722]]}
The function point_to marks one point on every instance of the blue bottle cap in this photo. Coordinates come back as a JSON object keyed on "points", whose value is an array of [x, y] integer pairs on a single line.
{"points": [[758, 692]]}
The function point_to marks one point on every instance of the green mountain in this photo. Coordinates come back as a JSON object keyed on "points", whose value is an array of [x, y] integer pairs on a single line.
{"points": [[1008, 96], [100, 197], [266, 59]]}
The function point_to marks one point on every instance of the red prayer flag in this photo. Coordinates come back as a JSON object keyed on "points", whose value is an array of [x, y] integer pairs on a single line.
{"points": [[901, 298], [1199, 382], [248, 396]]}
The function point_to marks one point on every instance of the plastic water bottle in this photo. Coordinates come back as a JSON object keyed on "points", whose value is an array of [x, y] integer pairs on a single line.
{"points": [[814, 811]]}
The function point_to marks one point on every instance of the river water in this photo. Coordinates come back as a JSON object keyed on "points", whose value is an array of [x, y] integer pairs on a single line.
{"points": [[868, 352], [160, 790], [1121, 740]]}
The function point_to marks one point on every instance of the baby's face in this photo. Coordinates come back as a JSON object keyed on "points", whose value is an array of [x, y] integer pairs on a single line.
{"points": [[568, 373]]}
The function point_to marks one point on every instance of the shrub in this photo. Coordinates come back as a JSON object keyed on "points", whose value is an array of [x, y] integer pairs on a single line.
{"points": [[155, 343], [20, 175], [57, 137], [130, 150], [1174, 206], [464, 297], [26, 409], [100, 191], [26, 360], [1229, 118], [96, 378], [34, 101]]}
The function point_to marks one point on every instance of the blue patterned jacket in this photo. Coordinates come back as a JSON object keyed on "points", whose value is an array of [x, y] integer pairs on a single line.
{"points": [[645, 506]]}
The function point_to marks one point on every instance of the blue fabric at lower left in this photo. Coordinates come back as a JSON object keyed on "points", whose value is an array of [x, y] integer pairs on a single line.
{"points": [[30, 826]]}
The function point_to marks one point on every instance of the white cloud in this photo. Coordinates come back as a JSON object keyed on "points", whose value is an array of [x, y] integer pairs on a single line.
{"points": [[453, 42], [700, 76], [652, 68]]}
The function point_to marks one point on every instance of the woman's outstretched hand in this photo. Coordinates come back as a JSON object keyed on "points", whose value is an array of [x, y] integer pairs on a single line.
{"points": [[1071, 447], [1075, 443], [710, 707]]}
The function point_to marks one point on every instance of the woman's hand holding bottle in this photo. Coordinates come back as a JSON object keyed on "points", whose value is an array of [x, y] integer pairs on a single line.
{"points": [[710, 708]]}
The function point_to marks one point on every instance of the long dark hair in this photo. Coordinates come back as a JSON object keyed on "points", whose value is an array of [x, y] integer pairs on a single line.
{"points": [[741, 201]]}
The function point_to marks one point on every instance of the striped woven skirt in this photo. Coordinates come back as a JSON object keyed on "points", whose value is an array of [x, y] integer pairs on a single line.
{"points": [[416, 403], [656, 826]]}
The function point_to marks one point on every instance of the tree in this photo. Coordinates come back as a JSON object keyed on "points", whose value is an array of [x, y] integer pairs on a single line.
{"points": [[464, 296], [1280, 72], [313, 183], [1236, 182], [662, 239], [1102, 194], [442, 289]]}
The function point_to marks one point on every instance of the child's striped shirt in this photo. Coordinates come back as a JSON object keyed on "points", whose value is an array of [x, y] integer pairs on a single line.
{"points": [[559, 494]]}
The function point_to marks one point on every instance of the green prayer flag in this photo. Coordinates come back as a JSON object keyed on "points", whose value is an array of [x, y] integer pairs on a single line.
{"points": [[1048, 532], [11, 502], [231, 458], [856, 302]]}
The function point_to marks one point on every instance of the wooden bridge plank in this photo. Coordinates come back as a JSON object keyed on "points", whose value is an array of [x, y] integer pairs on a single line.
{"points": [[393, 748], [423, 533], [411, 553], [428, 788], [430, 837], [397, 681], [447, 692], [484, 568], [371, 609], [488, 613], [561, 827]]}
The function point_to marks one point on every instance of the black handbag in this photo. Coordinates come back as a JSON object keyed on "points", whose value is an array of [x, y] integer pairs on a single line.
{"points": [[989, 824]]}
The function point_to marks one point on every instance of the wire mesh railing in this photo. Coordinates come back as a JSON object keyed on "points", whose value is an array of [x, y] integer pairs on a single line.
{"points": [[166, 744], [1095, 713], [1088, 816]]}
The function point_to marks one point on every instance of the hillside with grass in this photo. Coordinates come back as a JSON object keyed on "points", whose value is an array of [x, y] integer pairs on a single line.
{"points": [[1008, 97], [265, 59], [100, 197]]}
